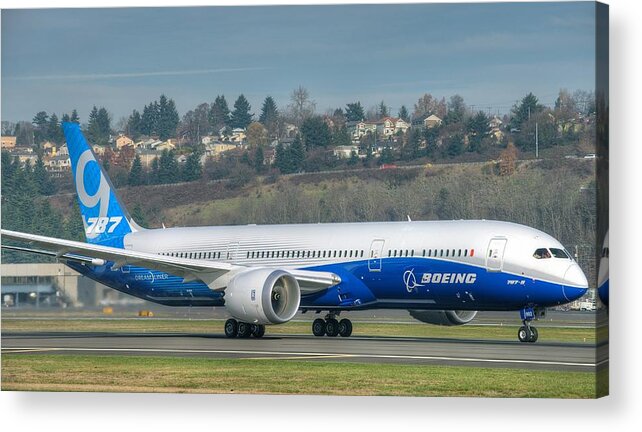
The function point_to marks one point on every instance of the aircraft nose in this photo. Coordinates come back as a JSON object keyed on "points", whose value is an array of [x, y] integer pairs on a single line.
{"points": [[575, 283]]}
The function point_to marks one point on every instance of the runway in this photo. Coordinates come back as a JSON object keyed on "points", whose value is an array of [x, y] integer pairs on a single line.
{"points": [[401, 350]]}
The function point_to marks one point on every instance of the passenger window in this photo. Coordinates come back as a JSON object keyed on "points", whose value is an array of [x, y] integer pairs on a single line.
{"points": [[361, 253], [459, 253], [447, 252], [465, 252], [542, 253]]}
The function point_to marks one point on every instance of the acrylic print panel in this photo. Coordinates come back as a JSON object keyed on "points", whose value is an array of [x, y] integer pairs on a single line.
{"points": [[403, 199]]}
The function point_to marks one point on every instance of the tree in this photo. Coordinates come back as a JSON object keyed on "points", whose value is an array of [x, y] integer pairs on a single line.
{"points": [[134, 124], [219, 115], [297, 153], [269, 116], [99, 128], [507, 159], [136, 174], [74, 117], [315, 133], [477, 127], [354, 112], [456, 110], [41, 176], [384, 111], [168, 170], [54, 132], [65, 118], [301, 105], [41, 127], [403, 113], [455, 145], [193, 169], [167, 118], [256, 134], [241, 116], [259, 159], [195, 124], [341, 136], [354, 158], [522, 111]]}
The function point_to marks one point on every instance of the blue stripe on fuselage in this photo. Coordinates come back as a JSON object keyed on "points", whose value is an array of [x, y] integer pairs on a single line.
{"points": [[408, 282]]}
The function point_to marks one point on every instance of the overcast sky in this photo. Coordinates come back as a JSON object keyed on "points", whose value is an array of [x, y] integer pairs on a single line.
{"points": [[492, 54]]}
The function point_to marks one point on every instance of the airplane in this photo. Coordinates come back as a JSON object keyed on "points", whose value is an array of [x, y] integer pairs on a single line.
{"points": [[443, 272]]}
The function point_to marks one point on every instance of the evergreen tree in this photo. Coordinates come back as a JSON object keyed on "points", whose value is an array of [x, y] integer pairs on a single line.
{"points": [[383, 110], [167, 118], [354, 158], [74, 117], [136, 174], [219, 115], [281, 158], [154, 175], [65, 118], [259, 158], [168, 170], [341, 136], [269, 115], [193, 170], [297, 154], [354, 112], [523, 111], [315, 133], [241, 116], [386, 156], [134, 125], [138, 214], [41, 127], [477, 128], [403, 113], [43, 181], [54, 132]]}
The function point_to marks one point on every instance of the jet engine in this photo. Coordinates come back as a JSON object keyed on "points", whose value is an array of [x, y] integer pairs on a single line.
{"points": [[444, 317], [263, 296]]}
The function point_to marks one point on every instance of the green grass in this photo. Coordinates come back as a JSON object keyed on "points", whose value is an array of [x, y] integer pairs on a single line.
{"points": [[35, 372], [154, 325]]}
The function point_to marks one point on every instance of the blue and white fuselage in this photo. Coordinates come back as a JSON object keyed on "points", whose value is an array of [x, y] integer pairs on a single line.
{"points": [[464, 265]]}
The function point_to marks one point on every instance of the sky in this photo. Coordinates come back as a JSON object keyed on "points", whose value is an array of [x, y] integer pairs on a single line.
{"points": [[123, 58]]}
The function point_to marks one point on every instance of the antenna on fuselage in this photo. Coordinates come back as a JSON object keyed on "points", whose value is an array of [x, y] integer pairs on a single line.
{"points": [[409, 220]]}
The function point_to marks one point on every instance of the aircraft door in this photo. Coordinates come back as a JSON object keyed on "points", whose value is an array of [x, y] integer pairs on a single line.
{"points": [[495, 254], [374, 258], [232, 252]]}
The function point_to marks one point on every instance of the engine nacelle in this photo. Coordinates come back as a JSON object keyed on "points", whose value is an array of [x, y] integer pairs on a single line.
{"points": [[263, 296], [443, 317]]}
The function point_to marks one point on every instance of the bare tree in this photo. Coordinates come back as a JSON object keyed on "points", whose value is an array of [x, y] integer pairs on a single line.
{"points": [[301, 106]]}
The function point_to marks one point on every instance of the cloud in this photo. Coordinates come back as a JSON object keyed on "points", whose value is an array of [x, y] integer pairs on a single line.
{"points": [[106, 76]]}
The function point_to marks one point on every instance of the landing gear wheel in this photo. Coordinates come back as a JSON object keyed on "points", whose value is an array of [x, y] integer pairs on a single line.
{"points": [[245, 330], [258, 330], [534, 335], [331, 327], [318, 327], [231, 328], [523, 334], [345, 327]]}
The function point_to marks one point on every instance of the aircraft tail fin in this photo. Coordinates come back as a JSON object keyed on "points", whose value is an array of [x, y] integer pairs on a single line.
{"points": [[104, 216]]}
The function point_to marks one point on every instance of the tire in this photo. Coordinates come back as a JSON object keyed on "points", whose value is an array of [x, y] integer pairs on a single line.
{"points": [[345, 327], [332, 327], [259, 331], [522, 334], [231, 328], [318, 327], [245, 330], [534, 335]]}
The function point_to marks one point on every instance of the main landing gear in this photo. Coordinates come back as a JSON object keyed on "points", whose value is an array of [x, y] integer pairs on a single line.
{"points": [[331, 327], [527, 332], [233, 329]]}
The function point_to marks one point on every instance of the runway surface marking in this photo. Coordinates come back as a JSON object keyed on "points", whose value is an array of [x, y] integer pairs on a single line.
{"points": [[308, 355]]}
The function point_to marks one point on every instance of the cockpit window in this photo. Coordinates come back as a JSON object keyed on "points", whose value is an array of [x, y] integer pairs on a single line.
{"points": [[559, 253], [542, 253]]}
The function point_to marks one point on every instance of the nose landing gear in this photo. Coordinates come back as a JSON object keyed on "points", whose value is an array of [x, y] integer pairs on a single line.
{"points": [[527, 332]]}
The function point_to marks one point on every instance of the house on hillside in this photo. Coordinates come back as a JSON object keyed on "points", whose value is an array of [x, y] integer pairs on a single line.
{"points": [[345, 152], [358, 129], [215, 150], [58, 164], [8, 142], [147, 156], [124, 140], [432, 121], [389, 126]]}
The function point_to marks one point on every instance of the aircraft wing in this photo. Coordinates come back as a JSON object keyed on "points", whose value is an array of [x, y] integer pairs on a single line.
{"points": [[215, 274]]}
